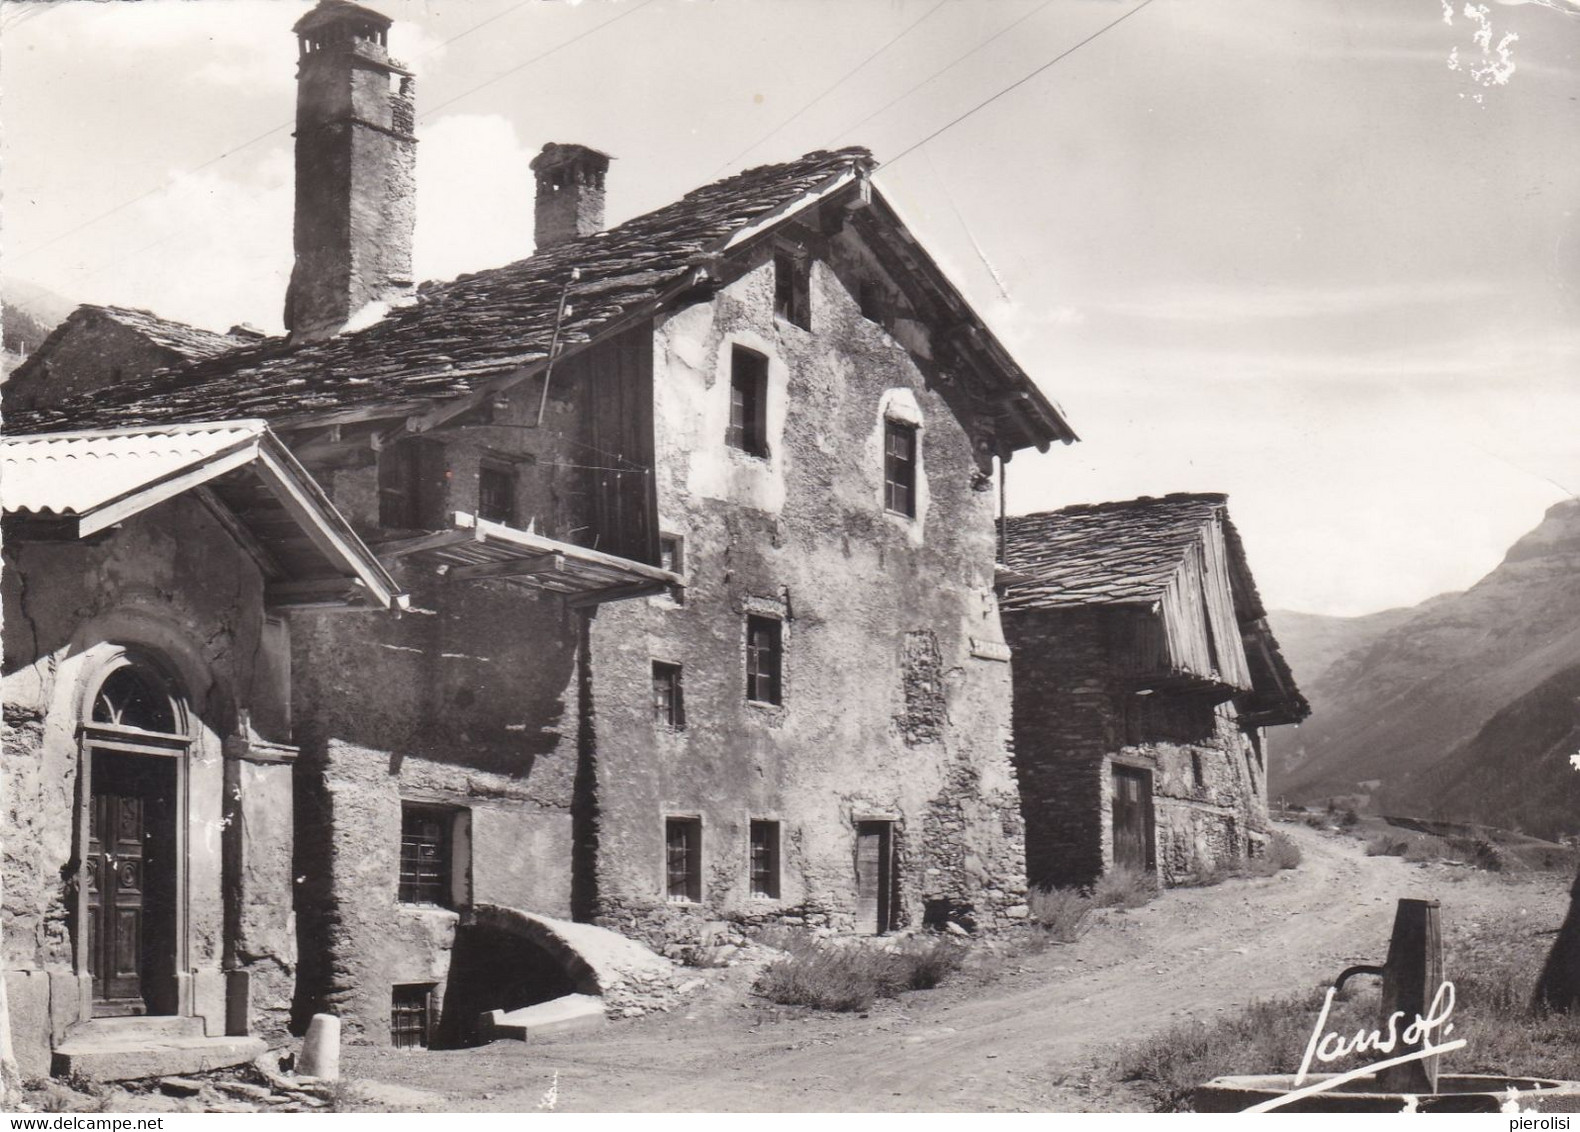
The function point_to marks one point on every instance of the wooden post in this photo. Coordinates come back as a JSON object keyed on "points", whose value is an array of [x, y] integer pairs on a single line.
{"points": [[1411, 978]]}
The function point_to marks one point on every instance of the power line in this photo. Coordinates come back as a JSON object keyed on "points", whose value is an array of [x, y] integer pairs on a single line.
{"points": [[536, 58], [125, 204], [952, 123], [837, 84], [936, 74]]}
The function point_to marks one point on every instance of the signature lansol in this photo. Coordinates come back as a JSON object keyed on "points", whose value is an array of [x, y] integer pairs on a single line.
{"points": [[1416, 1038]]}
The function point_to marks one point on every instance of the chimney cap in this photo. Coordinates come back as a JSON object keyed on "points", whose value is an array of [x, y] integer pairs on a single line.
{"points": [[555, 154], [329, 13]]}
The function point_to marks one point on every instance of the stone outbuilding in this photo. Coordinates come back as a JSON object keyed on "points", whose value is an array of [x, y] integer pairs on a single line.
{"points": [[1145, 679], [146, 794]]}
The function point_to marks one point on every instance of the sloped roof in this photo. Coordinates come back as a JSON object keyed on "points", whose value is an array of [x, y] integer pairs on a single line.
{"points": [[76, 473], [1102, 553], [491, 324], [1126, 553], [75, 484], [191, 343]]}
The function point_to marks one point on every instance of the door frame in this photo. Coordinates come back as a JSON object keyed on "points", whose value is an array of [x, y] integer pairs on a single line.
{"points": [[114, 738], [1149, 836]]}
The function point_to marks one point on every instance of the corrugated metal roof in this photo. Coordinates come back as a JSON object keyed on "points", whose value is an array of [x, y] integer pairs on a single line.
{"points": [[74, 473]]}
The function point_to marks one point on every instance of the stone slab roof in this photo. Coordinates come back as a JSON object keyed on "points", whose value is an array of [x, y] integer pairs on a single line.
{"points": [[491, 324], [190, 342], [1102, 553]]}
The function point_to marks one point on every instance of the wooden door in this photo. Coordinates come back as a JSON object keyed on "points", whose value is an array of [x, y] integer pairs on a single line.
{"points": [[129, 872], [1132, 809], [874, 876]]}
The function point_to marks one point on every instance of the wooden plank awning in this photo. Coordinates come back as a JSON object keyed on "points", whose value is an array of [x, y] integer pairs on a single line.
{"points": [[474, 548]]}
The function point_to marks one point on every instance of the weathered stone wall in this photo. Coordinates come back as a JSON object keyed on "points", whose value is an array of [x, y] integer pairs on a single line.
{"points": [[886, 711], [1075, 719], [94, 353], [172, 584], [470, 700]]}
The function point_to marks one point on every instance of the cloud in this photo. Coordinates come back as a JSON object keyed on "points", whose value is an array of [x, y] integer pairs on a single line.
{"points": [[474, 195]]}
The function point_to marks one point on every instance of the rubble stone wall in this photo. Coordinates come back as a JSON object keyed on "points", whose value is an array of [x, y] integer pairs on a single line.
{"points": [[1075, 720], [890, 711]]}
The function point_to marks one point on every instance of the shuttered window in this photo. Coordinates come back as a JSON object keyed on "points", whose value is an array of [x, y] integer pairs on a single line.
{"points": [[899, 467], [764, 660], [669, 707], [793, 289], [748, 429], [683, 858], [765, 859]]}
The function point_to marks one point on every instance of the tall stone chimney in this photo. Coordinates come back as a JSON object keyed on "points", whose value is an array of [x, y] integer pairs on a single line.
{"points": [[570, 193], [355, 162]]}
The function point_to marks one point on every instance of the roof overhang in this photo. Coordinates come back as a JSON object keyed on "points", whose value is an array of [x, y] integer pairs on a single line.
{"points": [[476, 549], [239, 470]]}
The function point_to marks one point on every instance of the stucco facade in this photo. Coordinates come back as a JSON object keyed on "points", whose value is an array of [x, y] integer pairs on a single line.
{"points": [[172, 594]]}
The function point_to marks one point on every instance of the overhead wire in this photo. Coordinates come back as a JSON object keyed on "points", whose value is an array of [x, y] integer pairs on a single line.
{"points": [[168, 181], [1017, 84], [839, 82]]}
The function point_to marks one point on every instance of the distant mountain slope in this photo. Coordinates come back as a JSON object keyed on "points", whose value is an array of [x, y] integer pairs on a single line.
{"points": [[1394, 702], [1515, 772], [28, 313]]}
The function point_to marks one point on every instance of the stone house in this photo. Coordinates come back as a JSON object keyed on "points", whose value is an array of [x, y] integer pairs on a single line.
{"points": [[146, 790], [98, 346], [698, 522], [1145, 679]]}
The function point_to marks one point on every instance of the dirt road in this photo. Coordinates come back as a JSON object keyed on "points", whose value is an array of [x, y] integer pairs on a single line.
{"points": [[1024, 1041]]}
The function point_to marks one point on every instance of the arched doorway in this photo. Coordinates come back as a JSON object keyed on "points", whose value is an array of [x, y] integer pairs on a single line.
{"points": [[135, 736]]}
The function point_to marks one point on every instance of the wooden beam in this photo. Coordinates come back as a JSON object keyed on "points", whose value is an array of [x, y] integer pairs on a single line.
{"points": [[618, 593], [552, 563], [394, 549], [238, 530], [316, 591], [147, 495]]}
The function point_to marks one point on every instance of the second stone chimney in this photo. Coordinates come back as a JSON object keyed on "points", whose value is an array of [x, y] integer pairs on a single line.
{"points": [[355, 164], [570, 193]]}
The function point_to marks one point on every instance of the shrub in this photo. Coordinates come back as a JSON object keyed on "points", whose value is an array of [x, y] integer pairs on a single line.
{"points": [[852, 977], [1386, 845], [1350, 819], [1427, 848], [1316, 821], [1124, 887], [1282, 852], [1065, 913]]}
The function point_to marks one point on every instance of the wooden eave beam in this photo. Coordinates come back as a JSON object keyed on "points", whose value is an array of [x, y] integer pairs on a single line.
{"points": [[616, 593], [551, 563], [238, 529]]}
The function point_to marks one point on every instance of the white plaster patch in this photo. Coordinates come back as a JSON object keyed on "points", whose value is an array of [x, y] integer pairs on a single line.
{"points": [[697, 416]]}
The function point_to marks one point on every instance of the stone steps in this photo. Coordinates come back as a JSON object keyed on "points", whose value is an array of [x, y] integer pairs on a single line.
{"points": [[125, 1054], [568, 1014]]}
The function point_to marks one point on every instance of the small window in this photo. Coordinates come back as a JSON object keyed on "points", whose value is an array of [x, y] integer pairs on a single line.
{"points": [[496, 491], [411, 1015], [425, 848], [669, 705], [899, 467], [764, 659], [793, 289], [683, 859], [672, 557], [1197, 774], [765, 859], [748, 429]]}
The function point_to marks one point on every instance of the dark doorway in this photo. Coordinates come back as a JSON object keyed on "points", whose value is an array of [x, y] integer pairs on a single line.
{"points": [[1132, 795], [492, 969], [875, 876], [129, 869]]}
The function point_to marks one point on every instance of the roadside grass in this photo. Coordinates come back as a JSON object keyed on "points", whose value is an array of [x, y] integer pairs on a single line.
{"points": [[1064, 914], [850, 977], [1493, 970], [1124, 887]]}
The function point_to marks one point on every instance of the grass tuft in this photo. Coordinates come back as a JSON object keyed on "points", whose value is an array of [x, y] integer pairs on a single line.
{"points": [[1124, 887], [849, 977]]}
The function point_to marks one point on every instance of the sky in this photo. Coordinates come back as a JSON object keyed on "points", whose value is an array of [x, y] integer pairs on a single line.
{"points": [[1317, 254]]}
